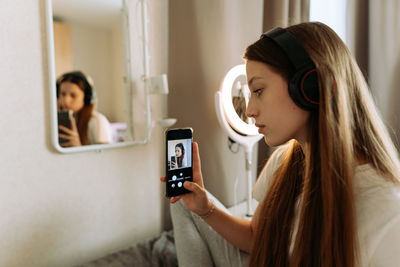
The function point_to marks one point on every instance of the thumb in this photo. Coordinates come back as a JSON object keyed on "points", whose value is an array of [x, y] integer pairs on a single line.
{"points": [[73, 123], [191, 186]]}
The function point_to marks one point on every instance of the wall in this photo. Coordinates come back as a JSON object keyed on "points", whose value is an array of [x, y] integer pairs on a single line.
{"points": [[206, 39], [99, 53], [63, 209], [91, 47]]}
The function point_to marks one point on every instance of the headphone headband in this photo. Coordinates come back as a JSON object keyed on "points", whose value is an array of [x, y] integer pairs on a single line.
{"points": [[298, 56]]}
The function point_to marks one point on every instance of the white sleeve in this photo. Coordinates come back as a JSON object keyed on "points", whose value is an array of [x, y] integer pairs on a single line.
{"points": [[266, 176], [387, 253], [99, 130]]}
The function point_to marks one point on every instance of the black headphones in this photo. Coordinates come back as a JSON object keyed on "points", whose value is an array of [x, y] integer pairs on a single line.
{"points": [[76, 76], [303, 83]]}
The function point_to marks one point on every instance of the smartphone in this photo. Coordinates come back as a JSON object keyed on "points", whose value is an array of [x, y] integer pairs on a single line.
{"points": [[179, 160], [173, 161], [63, 118]]}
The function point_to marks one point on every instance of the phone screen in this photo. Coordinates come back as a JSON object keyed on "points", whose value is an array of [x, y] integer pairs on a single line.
{"points": [[179, 160]]}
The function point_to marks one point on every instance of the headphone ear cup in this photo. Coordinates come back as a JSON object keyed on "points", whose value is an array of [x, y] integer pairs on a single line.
{"points": [[90, 95], [303, 88]]}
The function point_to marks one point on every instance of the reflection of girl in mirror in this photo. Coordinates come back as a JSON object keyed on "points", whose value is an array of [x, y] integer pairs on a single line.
{"points": [[180, 154], [75, 92]]}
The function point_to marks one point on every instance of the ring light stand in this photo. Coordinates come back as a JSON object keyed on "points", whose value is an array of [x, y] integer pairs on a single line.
{"points": [[241, 132]]}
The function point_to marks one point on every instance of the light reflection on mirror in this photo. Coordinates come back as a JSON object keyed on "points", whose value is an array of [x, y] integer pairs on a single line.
{"points": [[90, 71], [240, 97]]}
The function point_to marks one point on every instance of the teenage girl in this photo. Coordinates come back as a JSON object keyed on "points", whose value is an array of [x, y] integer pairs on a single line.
{"points": [[329, 195]]}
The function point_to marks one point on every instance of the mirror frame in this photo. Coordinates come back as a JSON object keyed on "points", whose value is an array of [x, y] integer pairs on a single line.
{"points": [[52, 86]]}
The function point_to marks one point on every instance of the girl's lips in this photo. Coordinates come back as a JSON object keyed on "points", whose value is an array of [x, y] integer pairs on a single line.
{"points": [[260, 128]]}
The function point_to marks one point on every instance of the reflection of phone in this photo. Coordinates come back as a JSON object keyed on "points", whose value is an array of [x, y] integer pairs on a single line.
{"points": [[63, 118], [173, 161], [179, 150]]}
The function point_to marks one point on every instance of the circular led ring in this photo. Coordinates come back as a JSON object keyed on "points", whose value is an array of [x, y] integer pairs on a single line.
{"points": [[230, 114]]}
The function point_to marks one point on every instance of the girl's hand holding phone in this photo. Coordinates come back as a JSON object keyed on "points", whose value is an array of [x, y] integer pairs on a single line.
{"points": [[71, 135], [174, 165], [197, 200]]}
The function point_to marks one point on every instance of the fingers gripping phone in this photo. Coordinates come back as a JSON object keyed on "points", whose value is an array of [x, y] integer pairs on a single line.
{"points": [[179, 160]]}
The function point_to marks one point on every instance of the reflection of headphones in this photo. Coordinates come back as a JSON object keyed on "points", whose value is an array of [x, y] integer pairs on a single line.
{"points": [[77, 77], [303, 83]]}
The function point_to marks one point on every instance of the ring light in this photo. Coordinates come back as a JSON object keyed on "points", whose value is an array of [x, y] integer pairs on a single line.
{"points": [[241, 132], [233, 118]]}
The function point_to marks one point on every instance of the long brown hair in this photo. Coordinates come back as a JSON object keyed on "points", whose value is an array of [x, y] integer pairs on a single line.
{"points": [[84, 115], [319, 176], [83, 118]]}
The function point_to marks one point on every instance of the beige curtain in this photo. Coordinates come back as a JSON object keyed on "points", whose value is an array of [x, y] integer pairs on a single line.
{"points": [[374, 39], [357, 26], [283, 13], [384, 61], [280, 13]]}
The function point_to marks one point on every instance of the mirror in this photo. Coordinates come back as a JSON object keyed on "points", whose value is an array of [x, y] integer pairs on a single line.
{"points": [[240, 97], [88, 45]]}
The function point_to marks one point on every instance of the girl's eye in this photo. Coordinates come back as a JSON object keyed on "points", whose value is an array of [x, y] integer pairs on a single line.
{"points": [[257, 92]]}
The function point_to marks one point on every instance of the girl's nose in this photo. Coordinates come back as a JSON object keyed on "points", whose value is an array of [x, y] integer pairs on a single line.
{"points": [[250, 110], [65, 101]]}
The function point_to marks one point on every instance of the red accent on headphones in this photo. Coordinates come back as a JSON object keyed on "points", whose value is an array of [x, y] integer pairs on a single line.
{"points": [[305, 95], [302, 89]]}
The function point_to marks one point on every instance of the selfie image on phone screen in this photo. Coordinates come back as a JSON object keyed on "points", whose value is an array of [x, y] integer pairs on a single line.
{"points": [[179, 160]]}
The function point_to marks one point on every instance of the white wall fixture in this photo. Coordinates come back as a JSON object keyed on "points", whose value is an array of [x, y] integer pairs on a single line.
{"points": [[153, 84], [246, 134], [159, 84]]}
